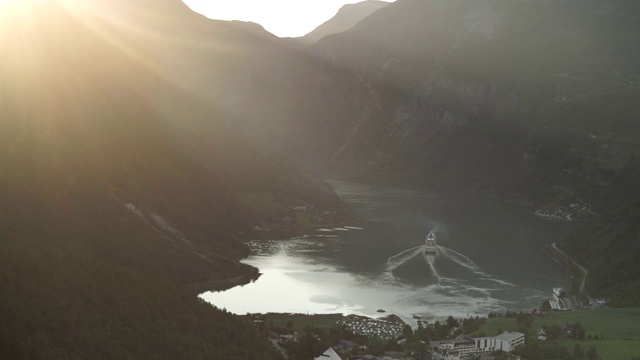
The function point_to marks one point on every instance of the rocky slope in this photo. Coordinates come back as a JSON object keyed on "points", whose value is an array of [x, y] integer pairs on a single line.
{"points": [[440, 77]]}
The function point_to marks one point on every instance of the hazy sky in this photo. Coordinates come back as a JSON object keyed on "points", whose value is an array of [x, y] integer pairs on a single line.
{"points": [[284, 18]]}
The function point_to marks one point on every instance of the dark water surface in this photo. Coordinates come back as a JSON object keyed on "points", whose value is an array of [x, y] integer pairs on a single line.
{"points": [[489, 258]]}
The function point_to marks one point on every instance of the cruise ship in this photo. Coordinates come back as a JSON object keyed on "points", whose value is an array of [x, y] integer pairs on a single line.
{"points": [[561, 300], [559, 292], [430, 243]]}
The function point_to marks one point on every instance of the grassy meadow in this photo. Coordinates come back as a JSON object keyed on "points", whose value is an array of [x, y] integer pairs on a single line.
{"points": [[617, 329]]}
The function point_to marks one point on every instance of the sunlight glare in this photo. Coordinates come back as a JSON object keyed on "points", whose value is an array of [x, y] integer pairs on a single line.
{"points": [[10, 7], [284, 18]]}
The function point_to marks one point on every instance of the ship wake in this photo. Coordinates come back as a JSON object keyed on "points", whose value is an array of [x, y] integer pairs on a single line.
{"points": [[465, 262], [396, 261], [461, 260], [430, 259]]}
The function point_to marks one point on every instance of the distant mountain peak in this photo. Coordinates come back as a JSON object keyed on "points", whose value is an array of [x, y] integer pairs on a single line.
{"points": [[347, 17]]}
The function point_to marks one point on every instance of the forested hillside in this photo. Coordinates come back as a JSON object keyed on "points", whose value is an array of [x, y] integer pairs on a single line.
{"points": [[126, 181], [121, 190], [61, 302]]}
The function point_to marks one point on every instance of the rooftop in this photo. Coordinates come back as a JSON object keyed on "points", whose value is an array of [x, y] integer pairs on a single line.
{"points": [[329, 354], [508, 336]]}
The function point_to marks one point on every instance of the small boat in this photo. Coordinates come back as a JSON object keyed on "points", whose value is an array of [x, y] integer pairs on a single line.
{"points": [[430, 243]]}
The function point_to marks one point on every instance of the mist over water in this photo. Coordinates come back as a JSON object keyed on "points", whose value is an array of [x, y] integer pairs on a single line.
{"points": [[488, 259]]}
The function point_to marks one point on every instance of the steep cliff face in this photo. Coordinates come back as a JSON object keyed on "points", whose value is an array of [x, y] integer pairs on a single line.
{"points": [[494, 93], [527, 100]]}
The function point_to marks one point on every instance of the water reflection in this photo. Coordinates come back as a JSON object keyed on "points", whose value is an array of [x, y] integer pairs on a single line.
{"points": [[488, 259]]}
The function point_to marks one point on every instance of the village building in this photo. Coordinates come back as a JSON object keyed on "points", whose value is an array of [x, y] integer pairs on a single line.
{"points": [[371, 327], [485, 344], [445, 354], [464, 346], [507, 341], [542, 335], [329, 354]]}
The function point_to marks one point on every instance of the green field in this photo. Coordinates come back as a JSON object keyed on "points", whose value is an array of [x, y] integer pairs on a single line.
{"points": [[608, 349], [613, 324], [620, 329], [495, 326]]}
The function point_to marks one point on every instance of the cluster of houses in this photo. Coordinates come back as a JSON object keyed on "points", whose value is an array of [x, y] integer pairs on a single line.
{"points": [[361, 325], [300, 216], [562, 213], [464, 346], [461, 348]]}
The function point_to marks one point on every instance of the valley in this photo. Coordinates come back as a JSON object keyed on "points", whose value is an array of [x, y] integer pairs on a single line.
{"points": [[148, 154], [380, 262]]}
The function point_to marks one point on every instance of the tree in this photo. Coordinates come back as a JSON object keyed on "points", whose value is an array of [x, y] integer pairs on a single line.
{"points": [[307, 347], [554, 332], [420, 333], [532, 349], [524, 319], [442, 331], [407, 331], [577, 331], [451, 322]]}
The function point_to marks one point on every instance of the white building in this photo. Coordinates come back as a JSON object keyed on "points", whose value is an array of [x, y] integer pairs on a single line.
{"points": [[507, 341], [330, 354], [485, 344], [542, 335], [464, 346]]}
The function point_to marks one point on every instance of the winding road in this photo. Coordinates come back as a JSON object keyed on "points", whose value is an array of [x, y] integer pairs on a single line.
{"points": [[584, 271]]}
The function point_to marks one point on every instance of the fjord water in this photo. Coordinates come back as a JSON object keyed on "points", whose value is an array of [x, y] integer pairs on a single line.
{"points": [[489, 258]]}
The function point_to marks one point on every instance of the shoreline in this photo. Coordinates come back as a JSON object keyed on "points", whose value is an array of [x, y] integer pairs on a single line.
{"points": [[252, 273], [286, 232]]}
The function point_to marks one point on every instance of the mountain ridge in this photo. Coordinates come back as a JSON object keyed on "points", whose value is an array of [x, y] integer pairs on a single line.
{"points": [[346, 18], [122, 190]]}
